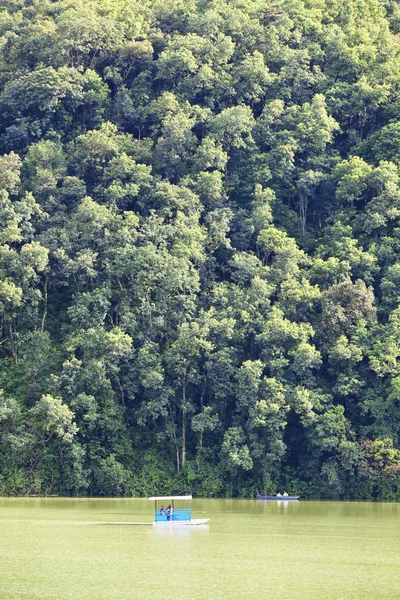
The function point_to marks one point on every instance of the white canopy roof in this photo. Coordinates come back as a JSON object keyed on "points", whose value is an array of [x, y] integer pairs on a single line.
{"points": [[153, 498]]}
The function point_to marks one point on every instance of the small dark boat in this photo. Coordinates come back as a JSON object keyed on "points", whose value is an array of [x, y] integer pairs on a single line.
{"points": [[260, 497]]}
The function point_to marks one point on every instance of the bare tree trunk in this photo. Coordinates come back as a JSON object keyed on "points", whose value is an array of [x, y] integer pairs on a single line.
{"points": [[184, 421], [121, 389], [203, 391], [183, 438], [175, 439], [303, 212], [13, 345], [45, 304]]}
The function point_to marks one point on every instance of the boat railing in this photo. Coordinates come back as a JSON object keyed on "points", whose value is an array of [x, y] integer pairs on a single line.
{"points": [[178, 514]]}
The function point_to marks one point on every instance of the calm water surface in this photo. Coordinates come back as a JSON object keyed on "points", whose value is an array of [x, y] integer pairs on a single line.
{"points": [[85, 549]]}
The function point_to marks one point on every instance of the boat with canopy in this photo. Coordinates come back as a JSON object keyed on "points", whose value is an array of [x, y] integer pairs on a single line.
{"points": [[173, 514]]}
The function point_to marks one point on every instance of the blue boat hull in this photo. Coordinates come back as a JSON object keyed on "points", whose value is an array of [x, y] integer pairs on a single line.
{"points": [[259, 497]]}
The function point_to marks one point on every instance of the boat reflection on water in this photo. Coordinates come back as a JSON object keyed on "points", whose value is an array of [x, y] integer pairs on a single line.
{"points": [[280, 504], [180, 532]]}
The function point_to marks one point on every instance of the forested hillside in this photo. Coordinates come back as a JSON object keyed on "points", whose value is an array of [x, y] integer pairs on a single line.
{"points": [[200, 247]]}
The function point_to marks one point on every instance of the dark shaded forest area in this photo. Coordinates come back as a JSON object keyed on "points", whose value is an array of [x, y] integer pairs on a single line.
{"points": [[199, 247]]}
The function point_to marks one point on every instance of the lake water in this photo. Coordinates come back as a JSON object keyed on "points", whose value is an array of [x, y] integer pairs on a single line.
{"points": [[88, 549]]}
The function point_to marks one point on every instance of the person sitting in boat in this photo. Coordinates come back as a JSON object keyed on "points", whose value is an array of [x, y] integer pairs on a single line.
{"points": [[162, 509], [170, 511], [279, 494], [285, 494]]}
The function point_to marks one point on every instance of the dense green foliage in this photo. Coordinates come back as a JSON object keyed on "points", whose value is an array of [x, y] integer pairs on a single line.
{"points": [[199, 247]]}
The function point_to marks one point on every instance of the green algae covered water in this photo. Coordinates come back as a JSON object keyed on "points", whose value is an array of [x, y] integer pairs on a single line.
{"points": [[89, 549]]}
